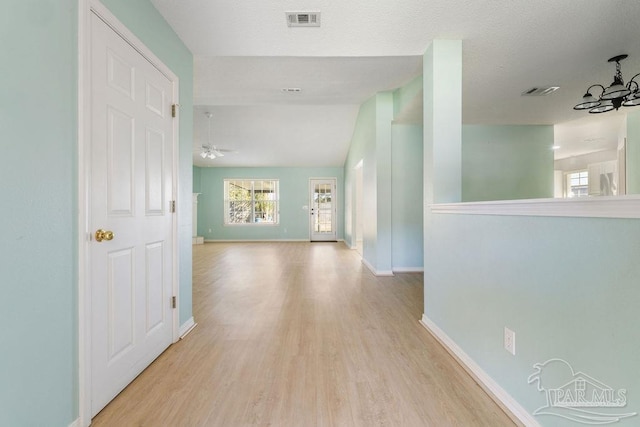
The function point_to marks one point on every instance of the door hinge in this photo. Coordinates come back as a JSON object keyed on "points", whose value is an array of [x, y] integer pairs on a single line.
{"points": [[174, 110], [172, 206], [173, 302]]}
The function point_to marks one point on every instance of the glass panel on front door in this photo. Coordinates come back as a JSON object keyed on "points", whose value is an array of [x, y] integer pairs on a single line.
{"points": [[322, 204], [323, 209]]}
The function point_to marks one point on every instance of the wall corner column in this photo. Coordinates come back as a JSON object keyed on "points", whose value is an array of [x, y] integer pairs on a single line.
{"points": [[442, 74]]}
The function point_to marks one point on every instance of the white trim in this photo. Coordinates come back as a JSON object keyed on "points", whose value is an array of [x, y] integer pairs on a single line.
{"points": [[75, 423], [187, 327], [592, 207], [408, 269], [488, 384], [85, 8], [380, 273]]}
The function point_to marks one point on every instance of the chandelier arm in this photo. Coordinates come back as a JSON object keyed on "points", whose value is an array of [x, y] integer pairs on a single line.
{"points": [[596, 85], [632, 80]]}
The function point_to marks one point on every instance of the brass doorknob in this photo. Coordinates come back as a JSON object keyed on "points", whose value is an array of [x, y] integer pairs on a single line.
{"points": [[104, 235]]}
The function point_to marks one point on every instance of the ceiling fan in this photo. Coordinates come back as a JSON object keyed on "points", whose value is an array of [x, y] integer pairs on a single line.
{"points": [[210, 151]]}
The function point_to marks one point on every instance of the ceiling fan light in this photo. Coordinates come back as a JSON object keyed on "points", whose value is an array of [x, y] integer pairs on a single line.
{"points": [[602, 108], [203, 154], [211, 156], [588, 101]]}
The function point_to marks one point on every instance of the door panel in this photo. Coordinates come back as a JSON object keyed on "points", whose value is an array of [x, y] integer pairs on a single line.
{"points": [[131, 180], [323, 209]]}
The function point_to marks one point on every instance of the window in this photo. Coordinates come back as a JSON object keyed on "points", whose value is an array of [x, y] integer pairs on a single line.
{"points": [[251, 201], [578, 184]]}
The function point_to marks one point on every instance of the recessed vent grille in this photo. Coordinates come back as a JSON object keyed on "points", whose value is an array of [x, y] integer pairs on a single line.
{"points": [[303, 19], [540, 91]]}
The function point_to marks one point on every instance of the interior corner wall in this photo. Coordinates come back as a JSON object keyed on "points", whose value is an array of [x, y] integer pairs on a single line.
{"points": [[142, 18], [362, 148], [371, 144], [38, 231], [384, 118], [507, 162], [406, 180]]}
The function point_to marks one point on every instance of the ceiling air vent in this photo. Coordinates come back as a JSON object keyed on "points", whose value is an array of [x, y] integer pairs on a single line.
{"points": [[303, 19], [540, 91]]}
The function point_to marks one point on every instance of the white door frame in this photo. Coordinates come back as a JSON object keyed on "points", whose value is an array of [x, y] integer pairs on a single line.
{"points": [[85, 9]]}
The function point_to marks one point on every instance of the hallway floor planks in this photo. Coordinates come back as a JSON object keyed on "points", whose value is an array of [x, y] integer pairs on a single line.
{"points": [[302, 334]]}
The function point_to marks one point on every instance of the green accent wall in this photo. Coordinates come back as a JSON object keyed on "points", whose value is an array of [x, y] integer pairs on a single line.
{"points": [[406, 197], [197, 179], [506, 162], [294, 194], [39, 176], [38, 230], [568, 288]]}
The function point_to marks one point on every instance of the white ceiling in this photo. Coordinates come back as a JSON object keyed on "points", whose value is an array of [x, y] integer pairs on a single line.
{"points": [[245, 53]]}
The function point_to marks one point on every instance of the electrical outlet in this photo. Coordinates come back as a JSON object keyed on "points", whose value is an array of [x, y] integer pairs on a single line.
{"points": [[510, 341]]}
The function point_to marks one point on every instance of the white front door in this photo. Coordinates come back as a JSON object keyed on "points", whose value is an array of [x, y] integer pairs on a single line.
{"points": [[130, 191], [322, 212]]}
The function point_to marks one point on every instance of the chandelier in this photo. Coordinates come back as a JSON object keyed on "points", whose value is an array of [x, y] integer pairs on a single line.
{"points": [[209, 151], [616, 95]]}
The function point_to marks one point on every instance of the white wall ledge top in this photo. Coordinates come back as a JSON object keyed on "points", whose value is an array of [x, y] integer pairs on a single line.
{"points": [[589, 207]]}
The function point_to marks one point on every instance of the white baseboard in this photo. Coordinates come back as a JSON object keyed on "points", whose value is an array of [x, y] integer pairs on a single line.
{"points": [[408, 269], [488, 384], [376, 272], [253, 240], [76, 423], [187, 327]]}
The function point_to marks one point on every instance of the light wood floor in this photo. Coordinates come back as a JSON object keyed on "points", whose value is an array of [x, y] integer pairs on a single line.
{"points": [[301, 334]]}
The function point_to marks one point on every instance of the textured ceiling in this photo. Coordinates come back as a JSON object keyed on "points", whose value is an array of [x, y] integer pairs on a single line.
{"points": [[245, 53]]}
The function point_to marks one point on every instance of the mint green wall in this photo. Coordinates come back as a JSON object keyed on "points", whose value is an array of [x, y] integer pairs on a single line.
{"points": [[384, 117], [294, 194], [392, 232], [566, 286], [406, 197], [362, 148], [407, 95], [506, 162], [38, 250], [197, 179], [150, 27], [442, 110], [633, 152], [38, 254]]}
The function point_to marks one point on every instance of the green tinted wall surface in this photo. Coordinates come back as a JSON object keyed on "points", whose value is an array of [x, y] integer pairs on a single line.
{"points": [[294, 194], [506, 162], [406, 197], [38, 250]]}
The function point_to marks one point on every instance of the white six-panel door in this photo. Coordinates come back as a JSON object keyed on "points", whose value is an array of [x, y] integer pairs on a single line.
{"points": [[131, 184]]}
